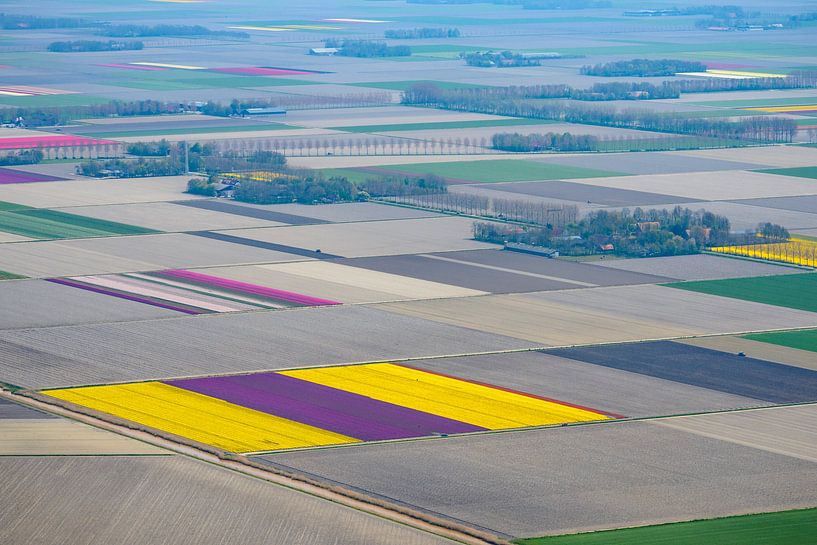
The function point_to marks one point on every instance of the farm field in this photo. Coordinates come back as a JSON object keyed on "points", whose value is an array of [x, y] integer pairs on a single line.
{"points": [[202, 345], [53, 224], [802, 340], [792, 291], [598, 315], [347, 367], [448, 477], [126, 489], [441, 125], [326, 406], [697, 267], [801, 172], [500, 171], [766, 528]]}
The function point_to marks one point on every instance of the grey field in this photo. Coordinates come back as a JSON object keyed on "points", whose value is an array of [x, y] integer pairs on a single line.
{"points": [[499, 271], [610, 390], [37, 303], [696, 267], [649, 163], [572, 478], [144, 500], [569, 191], [228, 343]]}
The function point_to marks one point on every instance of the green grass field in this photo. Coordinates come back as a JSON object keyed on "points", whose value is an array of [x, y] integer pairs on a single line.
{"points": [[783, 528], [803, 340], [501, 170], [798, 172], [197, 130], [403, 85], [9, 276], [514, 122], [52, 100], [52, 224], [6, 206], [791, 290]]}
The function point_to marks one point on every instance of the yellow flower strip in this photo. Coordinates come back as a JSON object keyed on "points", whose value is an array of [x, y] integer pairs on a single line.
{"points": [[199, 417], [799, 252], [475, 404], [783, 109]]}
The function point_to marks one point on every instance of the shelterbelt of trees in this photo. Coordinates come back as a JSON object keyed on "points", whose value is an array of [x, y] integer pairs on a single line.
{"points": [[501, 101], [367, 48], [94, 45]]}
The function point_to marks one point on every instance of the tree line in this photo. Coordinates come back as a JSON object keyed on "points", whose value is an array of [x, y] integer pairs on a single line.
{"points": [[642, 68], [419, 33], [93, 45], [145, 31], [487, 59], [367, 48], [10, 21], [22, 157], [544, 142], [637, 233], [423, 93], [762, 129]]}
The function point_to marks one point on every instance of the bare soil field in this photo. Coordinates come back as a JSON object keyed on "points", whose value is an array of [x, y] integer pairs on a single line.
{"points": [[705, 368], [61, 437], [711, 186], [36, 303], [791, 431], [603, 388], [86, 192], [570, 479], [374, 238], [170, 217], [598, 315], [772, 156], [755, 349], [696, 267], [198, 345], [142, 499]]}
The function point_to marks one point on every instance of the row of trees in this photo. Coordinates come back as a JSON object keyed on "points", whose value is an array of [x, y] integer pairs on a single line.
{"points": [[145, 31], [368, 48], [429, 93], [488, 59], [10, 21], [764, 129], [22, 157], [544, 142], [92, 45], [640, 233], [419, 33], [642, 68]]}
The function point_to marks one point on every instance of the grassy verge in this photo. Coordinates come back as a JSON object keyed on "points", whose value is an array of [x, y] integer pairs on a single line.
{"points": [[783, 528], [802, 340], [797, 291]]}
